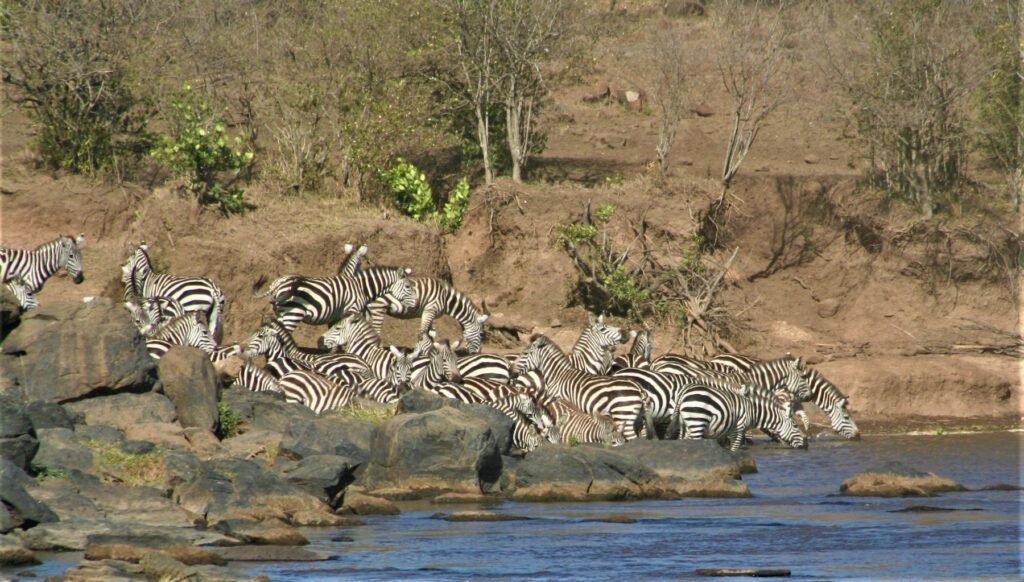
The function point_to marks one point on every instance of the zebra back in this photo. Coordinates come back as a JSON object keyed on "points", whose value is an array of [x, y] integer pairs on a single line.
{"points": [[256, 379], [317, 392], [35, 266]]}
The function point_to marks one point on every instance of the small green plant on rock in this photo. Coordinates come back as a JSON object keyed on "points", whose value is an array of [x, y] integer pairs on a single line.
{"points": [[228, 421], [116, 465], [43, 473], [199, 150]]}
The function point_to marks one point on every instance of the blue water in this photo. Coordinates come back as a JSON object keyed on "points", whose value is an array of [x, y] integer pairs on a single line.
{"points": [[794, 521]]}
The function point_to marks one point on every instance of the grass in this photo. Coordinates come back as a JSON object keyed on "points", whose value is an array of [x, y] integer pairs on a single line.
{"points": [[43, 473], [369, 412], [135, 470]]}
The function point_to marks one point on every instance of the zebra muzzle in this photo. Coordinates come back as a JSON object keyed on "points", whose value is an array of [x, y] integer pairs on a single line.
{"points": [[78, 278]]}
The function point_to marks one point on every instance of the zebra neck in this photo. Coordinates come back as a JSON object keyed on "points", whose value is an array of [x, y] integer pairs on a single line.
{"points": [[48, 259]]}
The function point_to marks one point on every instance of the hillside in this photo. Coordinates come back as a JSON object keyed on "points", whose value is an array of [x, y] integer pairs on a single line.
{"points": [[897, 312]]}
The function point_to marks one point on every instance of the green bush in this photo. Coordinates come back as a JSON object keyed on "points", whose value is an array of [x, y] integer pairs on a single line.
{"points": [[198, 149], [626, 295], [228, 421], [575, 233], [414, 197]]}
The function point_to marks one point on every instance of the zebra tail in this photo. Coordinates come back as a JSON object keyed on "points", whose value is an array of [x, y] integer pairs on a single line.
{"points": [[649, 421], [276, 287]]}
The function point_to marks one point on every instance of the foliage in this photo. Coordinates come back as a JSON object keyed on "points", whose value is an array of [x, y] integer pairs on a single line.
{"points": [[66, 63], [603, 214], [228, 421], [374, 414], [136, 470], [199, 149], [414, 196], [43, 473], [575, 233], [304, 139], [625, 293]]}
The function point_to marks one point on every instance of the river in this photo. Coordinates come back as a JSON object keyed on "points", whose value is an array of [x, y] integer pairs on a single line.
{"points": [[795, 521]]}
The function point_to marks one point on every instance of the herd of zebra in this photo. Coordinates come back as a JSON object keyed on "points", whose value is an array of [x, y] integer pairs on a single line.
{"points": [[588, 395]]}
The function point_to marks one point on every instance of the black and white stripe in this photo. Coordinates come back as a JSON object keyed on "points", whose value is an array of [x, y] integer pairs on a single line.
{"points": [[708, 411], [193, 293], [276, 342], [572, 425], [594, 349], [325, 300], [433, 298], [354, 335], [353, 257], [25, 271], [483, 366], [254, 378], [639, 355], [620, 398], [318, 392], [187, 330]]}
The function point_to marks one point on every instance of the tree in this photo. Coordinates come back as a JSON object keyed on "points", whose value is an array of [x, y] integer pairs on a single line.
{"points": [[525, 34], [752, 63], [674, 82], [471, 26], [907, 77]]}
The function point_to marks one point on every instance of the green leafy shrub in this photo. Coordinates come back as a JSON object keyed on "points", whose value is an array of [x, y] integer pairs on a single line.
{"points": [[199, 149], [415, 198], [603, 214], [228, 421], [575, 233], [625, 293]]}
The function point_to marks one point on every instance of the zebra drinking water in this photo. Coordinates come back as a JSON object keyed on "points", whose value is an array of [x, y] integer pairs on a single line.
{"points": [[25, 271], [193, 293], [711, 412]]}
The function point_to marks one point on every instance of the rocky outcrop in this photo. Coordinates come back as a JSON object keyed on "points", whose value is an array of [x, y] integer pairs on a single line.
{"points": [[123, 411], [18, 442], [18, 509], [448, 450], [897, 480], [192, 384], [67, 351]]}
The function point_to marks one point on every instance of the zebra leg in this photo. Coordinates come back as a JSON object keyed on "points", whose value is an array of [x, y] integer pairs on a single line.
{"points": [[692, 430], [427, 318], [736, 439]]}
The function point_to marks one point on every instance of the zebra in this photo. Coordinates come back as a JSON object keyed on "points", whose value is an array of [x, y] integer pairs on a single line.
{"points": [[354, 335], [639, 355], [432, 298], [593, 350], [158, 348], [148, 314], [531, 423], [620, 398], [353, 257], [318, 392], [325, 300], [275, 341], [25, 271], [441, 367], [825, 395], [22, 294], [572, 425], [254, 378], [710, 412], [188, 330], [485, 366], [681, 365], [193, 293]]}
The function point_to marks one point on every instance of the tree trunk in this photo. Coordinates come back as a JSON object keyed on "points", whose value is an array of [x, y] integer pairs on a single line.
{"points": [[515, 146], [483, 131]]}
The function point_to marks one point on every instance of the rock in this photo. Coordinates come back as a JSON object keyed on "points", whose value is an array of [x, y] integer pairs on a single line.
{"points": [[441, 451], [132, 447], [74, 534], [132, 549], [75, 496], [363, 504], [598, 92], [125, 410], [25, 511], [48, 415], [203, 442], [828, 308], [253, 443], [98, 434], [702, 110], [228, 368], [322, 475], [897, 480], [105, 570], [635, 100], [160, 566], [581, 473], [330, 435], [683, 460], [478, 516], [59, 449], [18, 442], [162, 434], [266, 410], [811, 159], [417, 401], [69, 350], [14, 553], [192, 384], [457, 498], [270, 554], [307, 518], [271, 534], [10, 312]]}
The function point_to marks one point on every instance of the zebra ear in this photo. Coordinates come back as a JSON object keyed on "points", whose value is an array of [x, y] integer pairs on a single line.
{"points": [[600, 318], [591, 319], [456, 345], [80, 239], [483, 318], [799, 361], [348, 248], [632, 334], [395, 351], [432, 334], [408, 271]]}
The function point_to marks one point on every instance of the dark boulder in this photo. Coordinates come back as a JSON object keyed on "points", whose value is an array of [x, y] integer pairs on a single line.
{"points": [[324, 476], [329, 435], [66, 351], [192, 384], [265, 410], [580, 473], [18, 442], [60, 450], [48, 415], [123, 410], [448, 450], [24, 510]]}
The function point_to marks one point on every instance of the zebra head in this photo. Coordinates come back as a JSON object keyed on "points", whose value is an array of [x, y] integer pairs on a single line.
{"points": [[642, 344], [786, 430], [351, 328], [530, 359], [135, 270], [841, 420], [400, 295], [552, 433], [528, 407], [400, 370], [611, 435], [602, 334], [71, 257], [796, 380], [266, 341], [443, 363], [143, 318], [473, 333]]}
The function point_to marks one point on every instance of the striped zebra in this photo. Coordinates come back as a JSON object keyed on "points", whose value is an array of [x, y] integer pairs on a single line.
{"points": [[441, 367], [433, 298], [158, 348], [484, 366], [619, 398], [25, 271], [193, 293], [353, 257], [531, 423], [187, 330], [325, 300], [22, 294], [681, 365], [255, 379], [823, 393], [148, 314], [594, 349], [639, 355], [275, 341], [572, 425], [716, 413], [318, 392], [354, 335]]}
